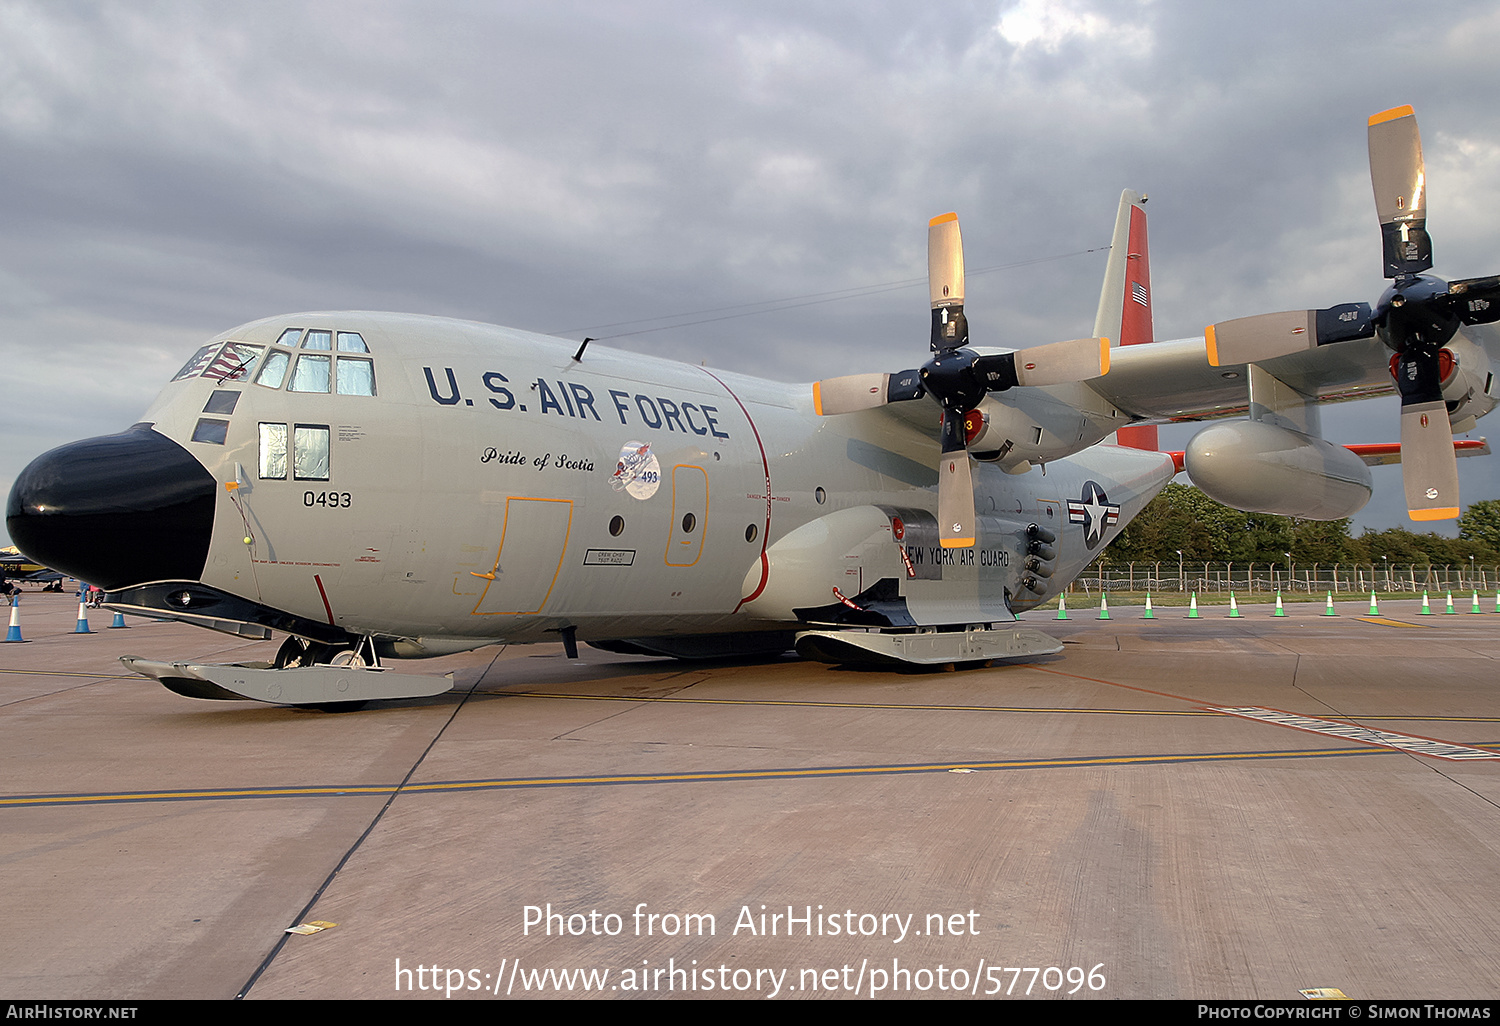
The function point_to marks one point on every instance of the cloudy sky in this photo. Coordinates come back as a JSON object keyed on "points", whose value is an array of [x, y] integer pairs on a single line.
{"points": [[169, 170]]}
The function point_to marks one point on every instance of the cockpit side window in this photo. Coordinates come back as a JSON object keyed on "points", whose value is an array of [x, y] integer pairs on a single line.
{"points": [[273, 452], [310, 452], [318, 339], [289, 337], [352, 342]]}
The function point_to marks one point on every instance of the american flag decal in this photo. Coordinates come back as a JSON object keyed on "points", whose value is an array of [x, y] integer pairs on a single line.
{"points": [[1138, 293]]}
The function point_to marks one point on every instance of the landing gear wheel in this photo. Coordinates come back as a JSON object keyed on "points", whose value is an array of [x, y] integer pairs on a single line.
{"points": [[351, 657], [296, 651]]}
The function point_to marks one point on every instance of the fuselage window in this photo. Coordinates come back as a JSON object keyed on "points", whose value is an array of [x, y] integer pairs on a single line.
{"points": [[273, 452], [289, 337], [311, 373], [310, 452], [212, 431], [318, 339], [273, 371], [352, 342], [356, 376]]}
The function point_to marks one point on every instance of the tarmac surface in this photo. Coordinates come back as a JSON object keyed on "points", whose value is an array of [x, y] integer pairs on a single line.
{"points": [[1091, 823]]}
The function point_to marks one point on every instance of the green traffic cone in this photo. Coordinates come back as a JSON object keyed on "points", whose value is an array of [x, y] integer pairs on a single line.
{"points": [[1450, 608], [1103, 606], [1475, 608], [1426, 610], [1193, 608], [1328, 609], [1279, 610], [1234, 608], [1062, 607], [1374, 609], [1152, 616]]}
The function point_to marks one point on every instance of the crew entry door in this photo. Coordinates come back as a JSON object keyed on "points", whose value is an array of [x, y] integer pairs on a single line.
{"points": [[533, 541]]}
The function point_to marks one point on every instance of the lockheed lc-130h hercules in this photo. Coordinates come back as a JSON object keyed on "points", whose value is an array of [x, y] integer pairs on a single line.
{"points": [[383, 486]]}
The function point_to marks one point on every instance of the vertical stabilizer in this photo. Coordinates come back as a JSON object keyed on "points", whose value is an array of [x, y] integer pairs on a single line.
{"points": [[1124, 315]]}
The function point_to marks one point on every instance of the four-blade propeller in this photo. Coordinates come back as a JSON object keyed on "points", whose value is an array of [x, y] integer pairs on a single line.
{"points": [[959, 378], [1415, 317]]}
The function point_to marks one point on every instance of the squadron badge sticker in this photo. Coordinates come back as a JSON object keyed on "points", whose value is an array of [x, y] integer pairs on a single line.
{"points": [[637, 473], [1095, 512]]}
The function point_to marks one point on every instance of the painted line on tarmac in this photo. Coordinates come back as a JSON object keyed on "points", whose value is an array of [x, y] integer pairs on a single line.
{"points": [[892, 706], [800, 773]]}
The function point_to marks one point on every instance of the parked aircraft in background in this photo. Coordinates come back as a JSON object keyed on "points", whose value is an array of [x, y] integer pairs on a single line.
{"points": [[17, 568]]}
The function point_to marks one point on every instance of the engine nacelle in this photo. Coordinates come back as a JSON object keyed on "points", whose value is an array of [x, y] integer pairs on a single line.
{"points": [[1017, 437], [1261, 468], [1467, 386]]}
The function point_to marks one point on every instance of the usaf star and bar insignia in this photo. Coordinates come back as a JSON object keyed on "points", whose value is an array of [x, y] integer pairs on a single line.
{"points": [[1095, 512]]}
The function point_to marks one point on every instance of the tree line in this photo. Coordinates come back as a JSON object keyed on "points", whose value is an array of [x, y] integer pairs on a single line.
{"points": [[1183, 518]]}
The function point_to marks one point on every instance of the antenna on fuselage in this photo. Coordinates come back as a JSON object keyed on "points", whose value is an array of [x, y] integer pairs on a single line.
{"points": [[578, 356]]}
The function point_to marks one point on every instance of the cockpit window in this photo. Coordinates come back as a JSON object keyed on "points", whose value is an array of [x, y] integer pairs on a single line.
{"points": [[221, 402], [273, 372], [211, 431], [355, 376], [289, 337], [234, 363], [199, 361], [311, 374], [352, 342], [318, 339]]}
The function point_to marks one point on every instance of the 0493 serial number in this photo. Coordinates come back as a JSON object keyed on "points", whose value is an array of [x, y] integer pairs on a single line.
{"points": [[332, 500]]}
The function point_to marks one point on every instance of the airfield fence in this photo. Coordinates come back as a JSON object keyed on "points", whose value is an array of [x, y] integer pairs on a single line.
{"points": [[1268, 578]]}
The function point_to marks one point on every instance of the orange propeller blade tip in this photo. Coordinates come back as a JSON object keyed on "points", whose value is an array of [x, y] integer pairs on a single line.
{"points": [[1404, 111], [941, 218]]}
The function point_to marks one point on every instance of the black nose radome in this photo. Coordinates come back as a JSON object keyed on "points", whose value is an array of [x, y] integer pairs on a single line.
{"points": [[116, 510]]}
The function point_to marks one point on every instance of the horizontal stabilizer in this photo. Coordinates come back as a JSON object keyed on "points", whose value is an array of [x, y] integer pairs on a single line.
{"points": [[1385, 454]]}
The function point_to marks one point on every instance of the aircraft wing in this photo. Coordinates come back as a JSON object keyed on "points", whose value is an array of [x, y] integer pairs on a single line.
{"points": [[1175, 381]]}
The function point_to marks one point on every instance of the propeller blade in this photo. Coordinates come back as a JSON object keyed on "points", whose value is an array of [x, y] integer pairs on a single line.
{"points": [[955, 486], [1397, 175], [1476, 300], [1266, 336], [1429, 469], [847, 394], [945, 282], [865, 391], [1055, 363]]}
